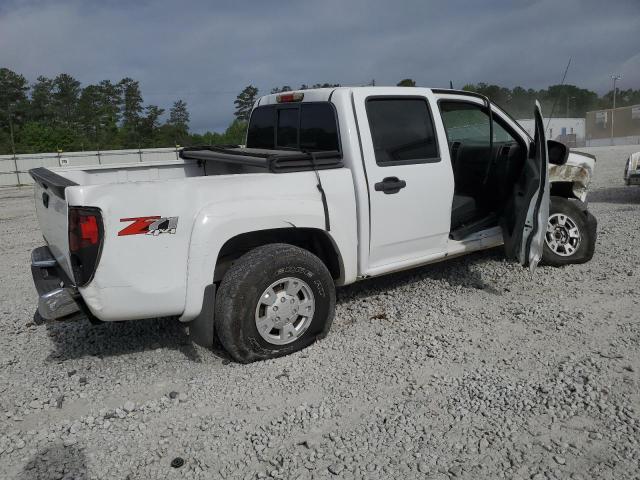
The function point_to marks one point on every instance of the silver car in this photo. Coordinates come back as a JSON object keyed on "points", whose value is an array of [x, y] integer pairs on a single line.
{"points": [[632, 169]]}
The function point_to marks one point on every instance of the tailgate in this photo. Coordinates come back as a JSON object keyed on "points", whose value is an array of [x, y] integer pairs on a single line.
{"points": [[52, 212]]}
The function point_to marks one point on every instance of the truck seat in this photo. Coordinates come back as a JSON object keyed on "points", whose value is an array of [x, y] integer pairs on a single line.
{"points": [[463, 209]]}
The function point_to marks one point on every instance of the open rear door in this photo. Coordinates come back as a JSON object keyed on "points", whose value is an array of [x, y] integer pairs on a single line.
{"points": [[527, 211]]}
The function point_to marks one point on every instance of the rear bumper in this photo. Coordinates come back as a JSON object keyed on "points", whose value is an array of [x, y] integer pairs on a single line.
{"points": [[57, 296]]}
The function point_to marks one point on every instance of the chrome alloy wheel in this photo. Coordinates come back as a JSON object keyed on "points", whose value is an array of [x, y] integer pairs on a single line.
{"points": [[285, 310], [563, 235]]}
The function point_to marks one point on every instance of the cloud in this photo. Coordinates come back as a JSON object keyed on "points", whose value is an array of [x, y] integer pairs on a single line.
{"points": [[206, 52]]}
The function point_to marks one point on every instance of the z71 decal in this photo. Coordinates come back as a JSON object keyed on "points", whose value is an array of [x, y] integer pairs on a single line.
{"points": [[154, 225]]}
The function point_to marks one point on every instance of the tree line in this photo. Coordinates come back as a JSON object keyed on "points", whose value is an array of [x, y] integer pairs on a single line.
{"points": [[556, 100], [59, 114]]}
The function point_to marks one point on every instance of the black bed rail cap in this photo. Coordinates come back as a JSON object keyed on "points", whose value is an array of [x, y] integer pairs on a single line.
{"points": [[275, 161], [51, 181]]}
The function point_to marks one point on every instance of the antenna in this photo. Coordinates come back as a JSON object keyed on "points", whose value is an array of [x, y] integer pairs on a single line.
{"points": [[553, 109]]}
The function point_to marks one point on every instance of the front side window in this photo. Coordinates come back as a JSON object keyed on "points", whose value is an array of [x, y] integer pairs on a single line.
{"points": [[308, 126], [402, 131], [469, 123]]}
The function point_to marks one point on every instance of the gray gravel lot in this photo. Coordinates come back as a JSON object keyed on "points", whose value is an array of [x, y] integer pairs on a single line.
{"points": [[472, 368]]}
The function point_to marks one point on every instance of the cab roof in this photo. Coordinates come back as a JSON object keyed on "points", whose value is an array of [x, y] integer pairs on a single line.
{"points": [[324, 94]]}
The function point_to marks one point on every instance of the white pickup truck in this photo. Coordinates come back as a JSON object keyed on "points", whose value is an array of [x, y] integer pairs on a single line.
{"points": [[333, 186]]}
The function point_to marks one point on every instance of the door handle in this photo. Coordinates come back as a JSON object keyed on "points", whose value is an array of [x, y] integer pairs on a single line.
{"points": [[390, 185]]}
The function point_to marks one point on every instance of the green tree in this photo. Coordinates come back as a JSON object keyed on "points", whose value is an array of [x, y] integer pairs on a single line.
{"points": [[89, 119], [407, 82], [109, 114], [37, 137], [178, 122], [624, 98], [285, 88], [150, 124], [13, 105], [244, 102], [324, 85], [66, 92], [235, 133], [41, 108], [496, 93], [131, 111], [522, 102], [567, 100]]}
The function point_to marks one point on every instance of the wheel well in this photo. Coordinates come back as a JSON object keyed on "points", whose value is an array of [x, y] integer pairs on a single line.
{"points": [[562, 189], [311, 239]]}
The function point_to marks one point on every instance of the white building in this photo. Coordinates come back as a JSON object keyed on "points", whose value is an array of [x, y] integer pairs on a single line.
{"points": [[567, 130]]}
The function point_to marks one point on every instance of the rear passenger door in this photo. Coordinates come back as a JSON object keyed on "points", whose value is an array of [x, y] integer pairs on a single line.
{"points": [[410, 184]]}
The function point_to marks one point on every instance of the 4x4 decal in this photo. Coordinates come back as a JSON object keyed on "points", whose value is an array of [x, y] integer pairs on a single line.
{"points": [[153, 225]]}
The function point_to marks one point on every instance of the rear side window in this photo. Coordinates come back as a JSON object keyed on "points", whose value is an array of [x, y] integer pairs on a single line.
{"points": [[308, 126], [261, 132], [402, 131], [318, 129]]}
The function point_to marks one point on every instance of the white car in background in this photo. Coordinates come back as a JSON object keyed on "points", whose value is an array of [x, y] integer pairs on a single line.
{"points": [[632, 169]]}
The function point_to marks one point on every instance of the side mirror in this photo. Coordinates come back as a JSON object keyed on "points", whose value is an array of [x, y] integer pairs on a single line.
{"points": [[558, 152]]}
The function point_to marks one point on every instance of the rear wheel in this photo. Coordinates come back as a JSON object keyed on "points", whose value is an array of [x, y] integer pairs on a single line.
{"points": [[275, 300], [568, 238]]}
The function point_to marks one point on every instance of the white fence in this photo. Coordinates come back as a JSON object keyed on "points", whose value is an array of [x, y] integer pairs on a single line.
{"points": [[14, 170], [604, 142]]}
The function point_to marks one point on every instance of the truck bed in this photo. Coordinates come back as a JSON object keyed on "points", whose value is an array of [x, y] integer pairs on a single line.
{"points": [[194, 162]]}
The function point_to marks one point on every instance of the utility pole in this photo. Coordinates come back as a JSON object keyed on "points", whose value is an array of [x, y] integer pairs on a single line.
{"points": [[569, 103], [615, 77]]}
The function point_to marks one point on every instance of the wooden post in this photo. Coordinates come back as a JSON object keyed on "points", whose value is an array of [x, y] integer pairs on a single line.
{"points": [[15, 165]]}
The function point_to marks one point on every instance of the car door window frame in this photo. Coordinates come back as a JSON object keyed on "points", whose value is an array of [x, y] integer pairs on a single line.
{"points": [[392, 163], [497, 118]]}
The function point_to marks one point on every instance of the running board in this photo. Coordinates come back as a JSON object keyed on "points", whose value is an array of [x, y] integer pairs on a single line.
{"points": [[464, 231]]}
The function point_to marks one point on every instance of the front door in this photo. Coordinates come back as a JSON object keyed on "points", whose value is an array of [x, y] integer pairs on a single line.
{"points": [[527, 212], [408, 174]]}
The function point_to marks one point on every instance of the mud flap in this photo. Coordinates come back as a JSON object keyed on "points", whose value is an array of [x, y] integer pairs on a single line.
{"points": [[592, 231], [201, 329]]}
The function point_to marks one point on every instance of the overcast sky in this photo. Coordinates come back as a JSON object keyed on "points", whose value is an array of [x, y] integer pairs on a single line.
{"points": [[205, 52]]}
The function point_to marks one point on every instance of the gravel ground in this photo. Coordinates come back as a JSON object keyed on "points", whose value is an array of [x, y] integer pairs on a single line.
{"points": [[473, 368]]}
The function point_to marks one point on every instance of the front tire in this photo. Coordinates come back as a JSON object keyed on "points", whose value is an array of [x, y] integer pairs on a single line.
{"points": [[275, 300], [571, 234]]}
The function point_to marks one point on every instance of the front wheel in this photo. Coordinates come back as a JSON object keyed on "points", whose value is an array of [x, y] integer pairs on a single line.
{"points": [[571, 233], [275, 300]]}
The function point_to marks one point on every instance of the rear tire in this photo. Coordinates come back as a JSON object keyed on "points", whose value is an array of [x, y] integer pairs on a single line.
{"points": [[570, 238], [289, 278]]}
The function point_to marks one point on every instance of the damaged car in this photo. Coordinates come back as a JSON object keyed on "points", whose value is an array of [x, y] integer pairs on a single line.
{"points": [[571, 232], [248, 243], [632, 169]]}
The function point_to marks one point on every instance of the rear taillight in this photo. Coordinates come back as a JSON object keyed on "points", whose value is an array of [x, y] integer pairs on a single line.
{"points": [[86, 234]]}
